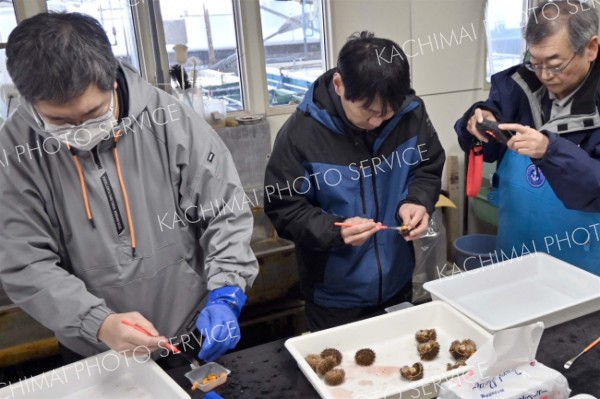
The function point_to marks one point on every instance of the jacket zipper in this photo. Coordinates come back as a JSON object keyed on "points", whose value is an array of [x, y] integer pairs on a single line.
{"points": [[362, 189], [377, 256], [375, 241], [110, 193], [96, 157]]}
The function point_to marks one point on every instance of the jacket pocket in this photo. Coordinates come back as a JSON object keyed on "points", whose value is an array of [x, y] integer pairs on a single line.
{"points": [[169, 297], [139, 268]]}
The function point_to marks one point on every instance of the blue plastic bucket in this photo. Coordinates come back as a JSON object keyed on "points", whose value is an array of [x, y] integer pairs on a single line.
{"points": [[475, 250]]}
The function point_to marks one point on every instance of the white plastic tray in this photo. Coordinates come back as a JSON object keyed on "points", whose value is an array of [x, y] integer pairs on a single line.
{"points": [[392, 337], [107, 375], [535, 287]]}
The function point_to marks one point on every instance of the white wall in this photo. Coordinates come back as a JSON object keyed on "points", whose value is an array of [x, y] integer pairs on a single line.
{"points": [[448, 68], [445, 41]]}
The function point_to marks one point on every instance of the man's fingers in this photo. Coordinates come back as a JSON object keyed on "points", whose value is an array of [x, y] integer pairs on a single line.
{"points": [[478, 115], [419, 229], [365, 227], [413, 214], [359, 239], [143, 351], [514, 127], [472, 128], [411, 218], [405, 214], [141, 321], [355, 221], [421, 225], [152, 343], [358, 228], [416, 217], [417, 221], [481, 114]]}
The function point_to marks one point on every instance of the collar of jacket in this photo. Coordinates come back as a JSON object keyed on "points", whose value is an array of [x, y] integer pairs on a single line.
{"points": [[580, 114], [318, 105]]}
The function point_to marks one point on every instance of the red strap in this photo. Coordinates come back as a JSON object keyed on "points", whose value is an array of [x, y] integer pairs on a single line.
{"points": [[475, 170]]}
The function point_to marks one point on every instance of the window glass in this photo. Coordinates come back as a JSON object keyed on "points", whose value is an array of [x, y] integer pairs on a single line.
{"points": [[207, 30], [8, 21], [116, 18], [294, 47], [504, 22]]}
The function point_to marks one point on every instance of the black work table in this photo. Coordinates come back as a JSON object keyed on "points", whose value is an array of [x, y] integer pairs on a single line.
{"points": [[269, 371]]}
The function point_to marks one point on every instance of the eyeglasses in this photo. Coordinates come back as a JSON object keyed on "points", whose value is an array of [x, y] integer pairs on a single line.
{"points": [[540, 68], [65, 128]]}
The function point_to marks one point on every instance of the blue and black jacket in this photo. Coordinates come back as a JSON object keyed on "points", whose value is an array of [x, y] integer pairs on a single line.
{"points": [[572, 162], [323, 170]]}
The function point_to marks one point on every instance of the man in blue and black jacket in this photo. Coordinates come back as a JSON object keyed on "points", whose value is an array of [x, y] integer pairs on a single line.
{"points": [[360, 149], [548, 176]]}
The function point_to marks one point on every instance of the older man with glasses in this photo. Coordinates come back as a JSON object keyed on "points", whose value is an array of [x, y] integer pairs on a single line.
{"points": [[548, 176]]}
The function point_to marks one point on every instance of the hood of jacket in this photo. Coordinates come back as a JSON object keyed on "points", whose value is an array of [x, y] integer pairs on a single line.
{"points": [[320, 106]]}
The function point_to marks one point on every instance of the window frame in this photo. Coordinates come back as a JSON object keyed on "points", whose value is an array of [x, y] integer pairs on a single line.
{"points": [[152, 51], [251, 56]]}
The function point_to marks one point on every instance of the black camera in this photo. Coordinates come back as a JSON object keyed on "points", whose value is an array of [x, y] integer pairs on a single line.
{"points": [[490, 129]]}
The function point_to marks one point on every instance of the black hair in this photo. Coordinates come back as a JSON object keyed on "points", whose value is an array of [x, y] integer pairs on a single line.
{"points": [[55, 57], [374, 68], [550, 16]]}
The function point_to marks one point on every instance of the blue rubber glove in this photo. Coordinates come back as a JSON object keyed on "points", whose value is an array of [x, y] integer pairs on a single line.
{"points": [[218, 322], [212, 395]]}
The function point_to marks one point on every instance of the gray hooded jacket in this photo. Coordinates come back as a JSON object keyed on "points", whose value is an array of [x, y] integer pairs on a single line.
{"points": [[179, 191]]}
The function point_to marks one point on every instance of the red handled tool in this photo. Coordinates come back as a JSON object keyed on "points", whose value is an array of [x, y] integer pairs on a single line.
{"points": [[170, 347], [382, 227], [194, 362]]}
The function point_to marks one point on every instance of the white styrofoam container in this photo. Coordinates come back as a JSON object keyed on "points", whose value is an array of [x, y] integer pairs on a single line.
{"points": [[106, 375], [392, 337], [520, 291]]}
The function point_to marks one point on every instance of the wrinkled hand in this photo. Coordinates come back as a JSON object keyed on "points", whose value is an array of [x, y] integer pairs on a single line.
{"points": [[126, 339], [478, 116], [361, 230], [529, 142], [219, 326], [416, 216]]}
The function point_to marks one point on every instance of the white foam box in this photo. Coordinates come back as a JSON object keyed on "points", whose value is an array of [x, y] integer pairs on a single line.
{"points": [[520, 291], [392, 337], [107, 375]]}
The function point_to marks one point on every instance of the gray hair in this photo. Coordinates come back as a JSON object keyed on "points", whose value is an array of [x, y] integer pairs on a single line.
{"points": [[550, 16], [55, 57]]}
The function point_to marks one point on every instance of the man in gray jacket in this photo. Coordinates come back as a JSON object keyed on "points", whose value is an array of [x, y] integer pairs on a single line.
{"points": [[91, 163]]}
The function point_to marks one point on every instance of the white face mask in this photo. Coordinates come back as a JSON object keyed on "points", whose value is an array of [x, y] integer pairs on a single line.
{"points": [[85, 136]]}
